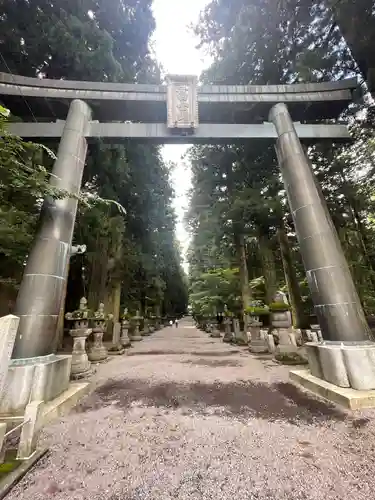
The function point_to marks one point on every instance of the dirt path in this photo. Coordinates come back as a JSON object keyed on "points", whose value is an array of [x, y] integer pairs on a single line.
{"points": [[184, 417]]}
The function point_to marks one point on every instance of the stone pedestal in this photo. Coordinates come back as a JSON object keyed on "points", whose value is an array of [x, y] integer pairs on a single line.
{"points": [[81, 366], [146, 328], [228, 335], [30, 430], [271, 343], [285, 344], [8, 332], [79, 331], [96, 351], [240, 337], [125, 340], [135, 336], [42, 378], [215, 332], [281, 319], [258, 341], [116, 347]]}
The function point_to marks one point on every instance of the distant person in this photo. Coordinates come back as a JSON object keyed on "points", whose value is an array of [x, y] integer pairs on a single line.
{"points": [[176, 322]]}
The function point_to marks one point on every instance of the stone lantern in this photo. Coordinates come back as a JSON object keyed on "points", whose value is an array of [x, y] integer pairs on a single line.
{"points": [[152, 323], [146, 327], [280, 311], [97, 353], [281, 321], [215, 332], [228, 335], [79, 331], [136, 336], [125, 325]]}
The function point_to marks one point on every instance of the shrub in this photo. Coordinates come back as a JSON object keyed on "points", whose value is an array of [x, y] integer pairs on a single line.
{"points": [[257, 310], [279, 307]]}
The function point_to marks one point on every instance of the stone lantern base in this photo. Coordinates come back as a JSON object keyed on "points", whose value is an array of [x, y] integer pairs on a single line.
{"points": [[116, 348], [259, 341], [228, 337], [125, 339], [215, 332], [81, 366], [96, 351], [135, 336]]}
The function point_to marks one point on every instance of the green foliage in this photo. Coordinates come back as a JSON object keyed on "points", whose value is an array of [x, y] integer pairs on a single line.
{"points": [[278, 307], [290, 358], [210, 292], [24, 182], [133, 247], [257, 311], [238, 187]]}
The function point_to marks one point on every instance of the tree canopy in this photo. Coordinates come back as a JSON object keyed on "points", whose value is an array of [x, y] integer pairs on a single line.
{"points": [[132, 258], [243, 243], [239, 216]]}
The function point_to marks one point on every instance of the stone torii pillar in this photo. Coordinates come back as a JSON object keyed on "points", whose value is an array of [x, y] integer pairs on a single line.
{"points": [[336, 301], [43, 283]]}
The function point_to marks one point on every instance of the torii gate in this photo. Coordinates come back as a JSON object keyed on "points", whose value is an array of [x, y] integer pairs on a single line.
{"points": [[181, 111]]}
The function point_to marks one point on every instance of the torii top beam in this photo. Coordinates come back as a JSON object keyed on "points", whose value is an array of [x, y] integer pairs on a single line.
{"points": [[143, 103]]}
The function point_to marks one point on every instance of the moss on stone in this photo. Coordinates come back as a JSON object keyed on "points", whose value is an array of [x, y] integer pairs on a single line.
{"points": [[290, 358], [10, 463]]}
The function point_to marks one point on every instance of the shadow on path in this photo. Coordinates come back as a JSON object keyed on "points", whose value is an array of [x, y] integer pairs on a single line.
{"points": [[161, 352], [280, 401], [216, 363]]}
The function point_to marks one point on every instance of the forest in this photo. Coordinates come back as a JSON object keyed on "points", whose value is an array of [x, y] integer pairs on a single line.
{"points": [[243, 244], [244, 247], [125, 217]]}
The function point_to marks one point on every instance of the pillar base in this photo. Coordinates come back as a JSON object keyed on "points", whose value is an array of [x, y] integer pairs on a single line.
{"points": [[34, 379], [347, 397], [343, 364]]}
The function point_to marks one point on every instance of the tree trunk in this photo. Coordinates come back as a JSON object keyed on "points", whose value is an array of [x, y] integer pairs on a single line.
{"points": [[239, 242], [300, 319], [244, 277], [268, 267], [360, 229], [98, 275], [116, 301]]}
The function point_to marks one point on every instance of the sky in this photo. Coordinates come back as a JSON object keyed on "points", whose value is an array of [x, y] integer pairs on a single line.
{"points": [[174, 46]]}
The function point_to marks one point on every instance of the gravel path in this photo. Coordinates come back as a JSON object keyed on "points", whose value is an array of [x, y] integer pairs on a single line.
{"points": [[185, 417]]}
